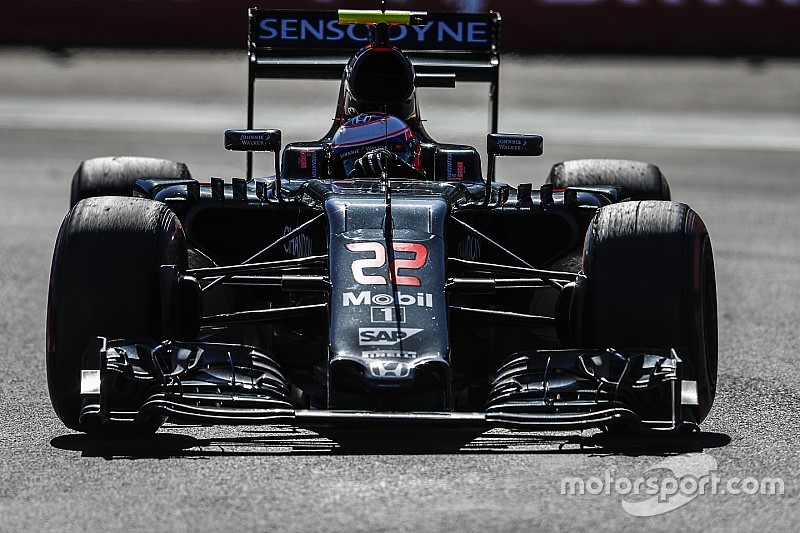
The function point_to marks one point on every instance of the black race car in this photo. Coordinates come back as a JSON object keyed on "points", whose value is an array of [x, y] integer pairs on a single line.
{"points": [[379, 275]]}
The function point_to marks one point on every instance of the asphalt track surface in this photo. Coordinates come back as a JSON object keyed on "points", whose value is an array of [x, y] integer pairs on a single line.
{"points": [[725, 132]]}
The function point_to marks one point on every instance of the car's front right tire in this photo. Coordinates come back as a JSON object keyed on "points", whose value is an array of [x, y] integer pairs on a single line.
{"points": [[651, 284]]}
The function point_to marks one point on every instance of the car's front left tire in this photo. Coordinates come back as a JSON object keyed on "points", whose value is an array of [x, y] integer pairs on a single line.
{"points": [[104, 282]]}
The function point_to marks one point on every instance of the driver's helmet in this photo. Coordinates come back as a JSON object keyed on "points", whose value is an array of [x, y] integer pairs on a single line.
{"points": [[369, 131]]}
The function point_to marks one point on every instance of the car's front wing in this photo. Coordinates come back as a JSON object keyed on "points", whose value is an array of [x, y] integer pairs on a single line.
{"points": [[125, 382]]}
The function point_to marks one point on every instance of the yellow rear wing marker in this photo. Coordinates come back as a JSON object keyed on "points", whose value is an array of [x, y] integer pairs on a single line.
{"points": [[375, 17]]}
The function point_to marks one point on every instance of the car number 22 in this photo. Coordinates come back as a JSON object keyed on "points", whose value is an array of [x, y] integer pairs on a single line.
{"points": [[378, 250]]}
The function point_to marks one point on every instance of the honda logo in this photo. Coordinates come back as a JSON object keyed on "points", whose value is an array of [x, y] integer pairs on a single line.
{"points": [[386, 369]]}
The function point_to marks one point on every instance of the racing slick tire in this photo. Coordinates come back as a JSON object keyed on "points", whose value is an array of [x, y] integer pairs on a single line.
{"points": [[115, 176], [643, 181], [104, 282], [651, 284]]}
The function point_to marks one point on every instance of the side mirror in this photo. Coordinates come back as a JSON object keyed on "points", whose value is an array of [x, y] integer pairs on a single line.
{"points": [[517, 144], [514, 144], [257, 141], [253, 140]]}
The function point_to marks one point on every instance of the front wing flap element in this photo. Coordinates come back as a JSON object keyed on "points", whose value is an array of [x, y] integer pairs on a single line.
{"points": [[202, 382], [578, 389]]}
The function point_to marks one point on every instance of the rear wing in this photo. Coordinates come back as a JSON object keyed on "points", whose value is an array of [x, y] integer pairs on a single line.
{"points": [[313, 45]]}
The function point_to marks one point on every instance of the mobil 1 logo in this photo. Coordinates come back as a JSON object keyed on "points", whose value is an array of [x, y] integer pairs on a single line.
{"points": [[385, 315]]}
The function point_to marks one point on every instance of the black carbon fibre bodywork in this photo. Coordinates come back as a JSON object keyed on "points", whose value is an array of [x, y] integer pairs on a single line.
{"points": [[449, 299], [364, 303]]}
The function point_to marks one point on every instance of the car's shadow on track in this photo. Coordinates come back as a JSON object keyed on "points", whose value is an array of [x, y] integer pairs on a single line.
{"points": [[174, 442]]}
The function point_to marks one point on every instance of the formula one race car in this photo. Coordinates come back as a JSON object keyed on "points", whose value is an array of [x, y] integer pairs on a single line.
{"points": [[379, 275]]}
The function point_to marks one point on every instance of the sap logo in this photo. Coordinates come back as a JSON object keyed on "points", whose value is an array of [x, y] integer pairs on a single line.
{"points": [[388, 354], [384, 336], [419, 299], [300, 246], [386, 369]]}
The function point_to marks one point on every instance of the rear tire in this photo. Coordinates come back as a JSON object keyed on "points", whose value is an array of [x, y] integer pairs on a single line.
{"points": [[104, 282], [116, 176], [642, 180], [651, 284]]}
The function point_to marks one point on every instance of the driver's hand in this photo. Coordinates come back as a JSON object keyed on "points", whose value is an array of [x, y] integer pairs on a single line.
{"points": [[375, 163]]}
